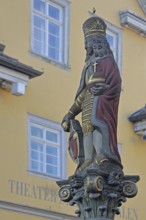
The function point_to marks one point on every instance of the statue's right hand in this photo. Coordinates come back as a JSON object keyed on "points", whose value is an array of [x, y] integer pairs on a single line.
{"points": [[65, 126], [66, 121]]}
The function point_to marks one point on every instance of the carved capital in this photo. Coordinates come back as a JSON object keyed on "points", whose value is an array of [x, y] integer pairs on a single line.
{"points": [[98, 195]]}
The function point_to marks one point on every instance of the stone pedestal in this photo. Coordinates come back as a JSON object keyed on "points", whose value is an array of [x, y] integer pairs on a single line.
{"points": [[98, 192]]}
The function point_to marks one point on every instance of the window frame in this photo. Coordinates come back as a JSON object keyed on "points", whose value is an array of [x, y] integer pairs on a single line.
{"points": [[64, 41], [61, 159], [116, 32]]}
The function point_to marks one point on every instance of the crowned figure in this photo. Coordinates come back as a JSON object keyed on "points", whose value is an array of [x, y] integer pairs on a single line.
{"points": [[97, 99]]}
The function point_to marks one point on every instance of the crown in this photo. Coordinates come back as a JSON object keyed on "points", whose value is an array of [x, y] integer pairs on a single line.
{"points": [[93, 26]]}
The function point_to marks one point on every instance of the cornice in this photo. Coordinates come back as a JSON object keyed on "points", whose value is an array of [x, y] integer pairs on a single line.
{"points": [[16, 65], [14, 75], [133, 21]]}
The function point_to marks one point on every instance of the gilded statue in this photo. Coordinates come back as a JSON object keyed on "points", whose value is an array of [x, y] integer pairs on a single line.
{"points": [[97, 99]]}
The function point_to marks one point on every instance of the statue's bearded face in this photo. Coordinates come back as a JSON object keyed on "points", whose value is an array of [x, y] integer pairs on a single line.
{"points": [[98, 45], [88, 48]]}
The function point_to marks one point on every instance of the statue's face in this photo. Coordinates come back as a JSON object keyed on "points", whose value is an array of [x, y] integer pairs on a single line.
{"points": [[97, 46], [88, 48]]}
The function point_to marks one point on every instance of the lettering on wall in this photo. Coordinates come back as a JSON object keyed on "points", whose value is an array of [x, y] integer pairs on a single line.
{"points": [[33, 191], [128, 213]]}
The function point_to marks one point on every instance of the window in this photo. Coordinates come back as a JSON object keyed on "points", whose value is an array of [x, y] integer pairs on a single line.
{"points": [[46, 147], [112, 41], [114, 37], [49, 35]]}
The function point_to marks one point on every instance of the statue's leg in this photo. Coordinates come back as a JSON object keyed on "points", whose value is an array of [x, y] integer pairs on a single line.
{"points": [[88, 145], [97, 143], [88, 150]]}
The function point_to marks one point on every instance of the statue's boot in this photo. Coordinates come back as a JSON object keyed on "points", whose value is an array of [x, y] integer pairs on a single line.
{"points": [[84, 165], [100, 159]]}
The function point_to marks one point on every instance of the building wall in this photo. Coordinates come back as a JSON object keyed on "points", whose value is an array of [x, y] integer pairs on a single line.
{"points": [[50, 96]]}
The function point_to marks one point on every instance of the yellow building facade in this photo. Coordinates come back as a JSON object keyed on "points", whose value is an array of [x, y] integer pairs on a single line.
{"points": [[41, 59]]}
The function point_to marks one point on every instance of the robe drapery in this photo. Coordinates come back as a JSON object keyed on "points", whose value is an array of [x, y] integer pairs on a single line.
{"points": [[107, 105]]}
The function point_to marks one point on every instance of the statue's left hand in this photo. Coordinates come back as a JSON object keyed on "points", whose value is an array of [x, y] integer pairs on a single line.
{"points": [[98, 89]]}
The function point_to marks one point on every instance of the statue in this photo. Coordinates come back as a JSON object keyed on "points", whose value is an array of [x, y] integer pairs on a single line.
{"points": [[98, 187], [97, 97]]}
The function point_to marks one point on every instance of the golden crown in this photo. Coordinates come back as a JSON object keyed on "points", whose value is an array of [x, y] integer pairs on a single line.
{"points": [[94, 26]]}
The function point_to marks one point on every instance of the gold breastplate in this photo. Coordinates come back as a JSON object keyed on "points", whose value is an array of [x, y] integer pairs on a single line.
{"points": [[87, 109]]}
